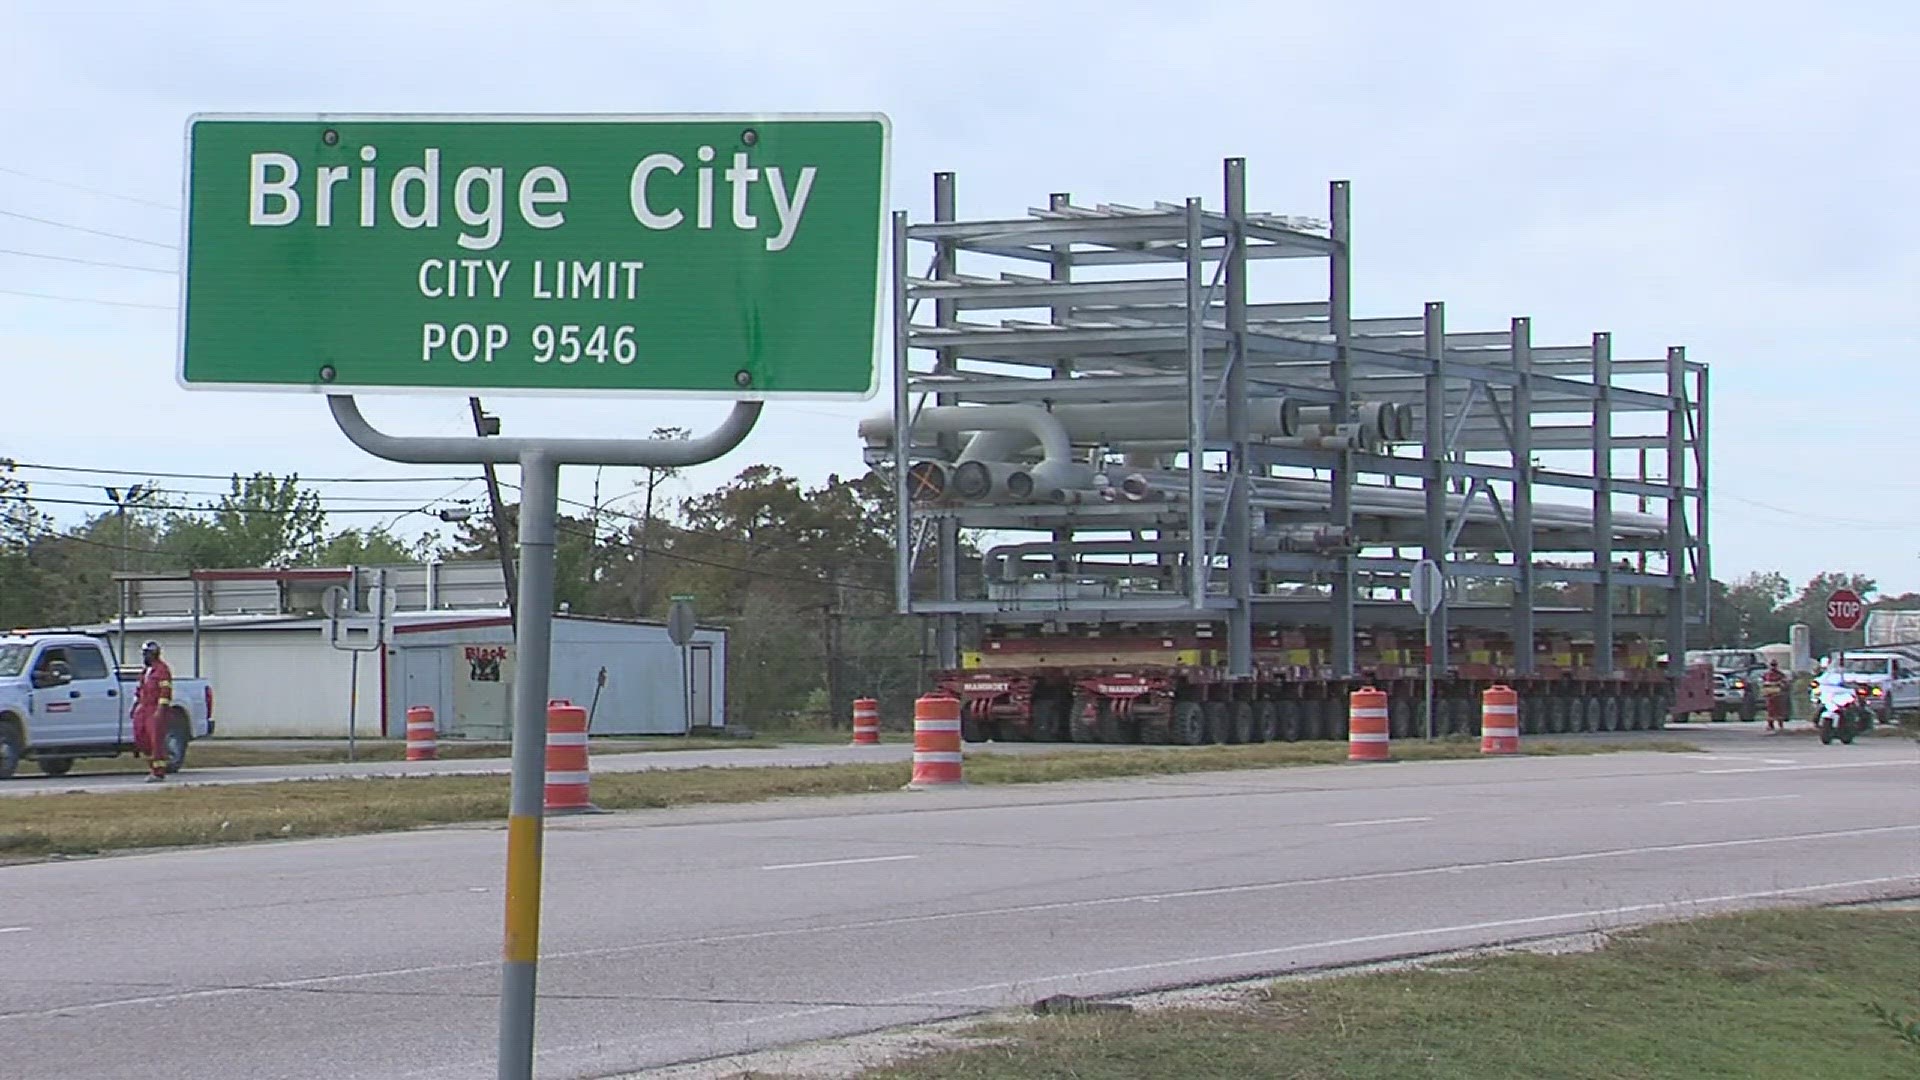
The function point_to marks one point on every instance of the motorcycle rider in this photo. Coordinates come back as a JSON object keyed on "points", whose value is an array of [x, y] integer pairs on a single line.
{"points": [[1773, 687], [151, 700]]}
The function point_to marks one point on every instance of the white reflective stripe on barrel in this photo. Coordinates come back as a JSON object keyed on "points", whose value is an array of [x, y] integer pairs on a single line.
{"points": [[566, 738], [936, 725], [562, 779], [1501, 732], [936, 757], [1369, 714], [1366, 736]]}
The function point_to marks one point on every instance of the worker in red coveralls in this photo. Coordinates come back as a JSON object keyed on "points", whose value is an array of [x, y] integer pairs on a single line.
{"points": [[1773, 687], [151, 703]]}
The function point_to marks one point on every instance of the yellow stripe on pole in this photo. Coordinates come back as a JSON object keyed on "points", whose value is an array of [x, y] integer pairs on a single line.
{"points": [[523, 889]]}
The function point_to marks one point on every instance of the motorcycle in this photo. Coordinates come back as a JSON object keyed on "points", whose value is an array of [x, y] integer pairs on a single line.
{"points": [[1842, 715]]}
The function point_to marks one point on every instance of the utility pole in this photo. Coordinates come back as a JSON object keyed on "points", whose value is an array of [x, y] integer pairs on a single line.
{"points": [[484, 425], [121, 500]]}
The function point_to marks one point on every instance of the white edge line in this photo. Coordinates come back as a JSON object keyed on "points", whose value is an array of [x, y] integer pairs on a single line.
{"points": [[14, 929], [1803, 768], [839, 862], [1376, 821], [1715, 802]]}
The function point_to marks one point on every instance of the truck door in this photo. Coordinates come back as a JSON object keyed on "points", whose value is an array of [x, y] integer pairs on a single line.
{"points": [[57, 718], [97, 709]]}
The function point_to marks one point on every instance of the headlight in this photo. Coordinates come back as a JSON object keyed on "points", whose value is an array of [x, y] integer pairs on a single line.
{"points": [[1739, 684]]}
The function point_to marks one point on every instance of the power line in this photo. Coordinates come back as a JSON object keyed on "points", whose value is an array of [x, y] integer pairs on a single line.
{"points": [[87, 262], [86, 299], [143, 474], [101, 192], [387, 501], [89, 231], [379, 511]]}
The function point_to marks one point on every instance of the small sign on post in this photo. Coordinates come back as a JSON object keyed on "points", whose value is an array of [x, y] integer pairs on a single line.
{"points": [[680, 626], [1845, 610], [1428, 591]]}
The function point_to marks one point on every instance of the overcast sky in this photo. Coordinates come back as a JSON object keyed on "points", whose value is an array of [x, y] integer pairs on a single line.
{"points": [[1737, 178]]}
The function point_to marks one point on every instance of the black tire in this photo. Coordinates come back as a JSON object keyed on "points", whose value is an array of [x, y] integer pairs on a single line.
{"points": [[1083, 719], [1591, 714], [1610, 714], [1400, 717], [176, 745], [1189, 725], [1266, 717], [1050, 718], [1245, 728], [1113, 727], [54, 766], [1826, 734], [1289, 710], [1719, 714], [1749, 711], [972, 728], [1219, 722], [12, 746], [1462, 719]]}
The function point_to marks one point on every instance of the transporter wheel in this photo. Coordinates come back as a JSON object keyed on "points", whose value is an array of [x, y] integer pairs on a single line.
{"points": [[1466, 718], [1563, 710], [1244, 728], [1610, 713], [1083, 721], [1049, 718], [1266, 715], [1219, 722], [972, 728], [1189, 725], [1529, 715], [1596, 713], [1114, 727], [1290, 717], [1400, 714]]}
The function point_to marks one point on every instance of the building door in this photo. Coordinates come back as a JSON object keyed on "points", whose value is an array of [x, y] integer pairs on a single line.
{"points": [[700, 685], [426, 684]]}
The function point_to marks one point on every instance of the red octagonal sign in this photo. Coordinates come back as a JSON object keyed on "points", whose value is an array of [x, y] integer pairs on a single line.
{"points": [[1844, 610]]}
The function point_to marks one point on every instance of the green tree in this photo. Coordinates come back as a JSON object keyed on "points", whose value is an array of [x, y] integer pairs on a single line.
{"points": [[263, 521], [373, 547]]}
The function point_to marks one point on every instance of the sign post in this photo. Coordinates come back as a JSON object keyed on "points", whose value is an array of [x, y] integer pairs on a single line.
{"points": [[1845, 611], [1428, 592], [680, 624], [354, 633], [732, 257]]}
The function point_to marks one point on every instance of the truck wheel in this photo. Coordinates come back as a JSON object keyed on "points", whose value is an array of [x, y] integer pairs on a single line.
{"points": [[11, 747], [1114, 727], [54, 766], [1610, 713], [176, 746], [972, 729], [1289, 710], [1083, 719], [1189, 727], [1266, 717], [1049, 719], [1244, 729], [1219, 722], [1719, 714]]}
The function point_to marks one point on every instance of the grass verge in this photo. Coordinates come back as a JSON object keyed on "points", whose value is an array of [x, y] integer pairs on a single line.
{"points": [[1825, 993], [222, 754], [86, 822]]}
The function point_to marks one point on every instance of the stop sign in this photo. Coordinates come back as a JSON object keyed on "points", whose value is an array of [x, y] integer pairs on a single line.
{"points": [[1844, 610]]}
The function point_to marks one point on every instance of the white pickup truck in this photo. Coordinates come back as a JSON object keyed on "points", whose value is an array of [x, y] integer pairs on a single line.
{"points": [[1887, 681], [61, 698]]}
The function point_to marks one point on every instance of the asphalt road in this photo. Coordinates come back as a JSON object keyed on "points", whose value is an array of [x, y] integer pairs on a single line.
{"points": [[677, 935]]}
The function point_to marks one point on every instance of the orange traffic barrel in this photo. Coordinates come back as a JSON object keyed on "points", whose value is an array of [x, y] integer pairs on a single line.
{"points": [[567, 777], [1367, 725], [423, 737], [866, 722], [1499, 720], [936, 742]]}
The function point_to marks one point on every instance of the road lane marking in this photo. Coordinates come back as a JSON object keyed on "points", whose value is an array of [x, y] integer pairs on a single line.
{"points": [[1801, 768], [1778, 761], [14, 929], [839, 862], [1673, 906], [950, 916], [1716, 802], [1376, 821]]}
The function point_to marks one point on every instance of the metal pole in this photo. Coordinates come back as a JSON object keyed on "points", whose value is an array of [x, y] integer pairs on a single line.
{"points": [[1238, 525], [539, 506], [497, 509], [1340, 325], [353, 704], [1197, 568], [1430, 675]]}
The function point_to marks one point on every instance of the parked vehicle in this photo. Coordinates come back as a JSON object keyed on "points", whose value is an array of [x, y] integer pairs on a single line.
{"points": [[1736, 680], [1886, 682], [61, 698]]}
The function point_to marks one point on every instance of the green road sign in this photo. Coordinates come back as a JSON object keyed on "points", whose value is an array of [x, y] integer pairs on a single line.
{"points": [[735, 256]]}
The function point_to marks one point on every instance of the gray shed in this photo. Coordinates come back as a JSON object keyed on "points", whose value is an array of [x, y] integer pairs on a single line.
{"points": [[463, 669]]}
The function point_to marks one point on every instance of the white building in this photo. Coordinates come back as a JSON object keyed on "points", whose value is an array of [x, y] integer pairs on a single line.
{"points": [[279, 669]]}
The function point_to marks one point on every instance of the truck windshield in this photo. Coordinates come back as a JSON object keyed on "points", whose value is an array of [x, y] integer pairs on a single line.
{"points": [[13, 659], [1866, 665], [1732, 661]]}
